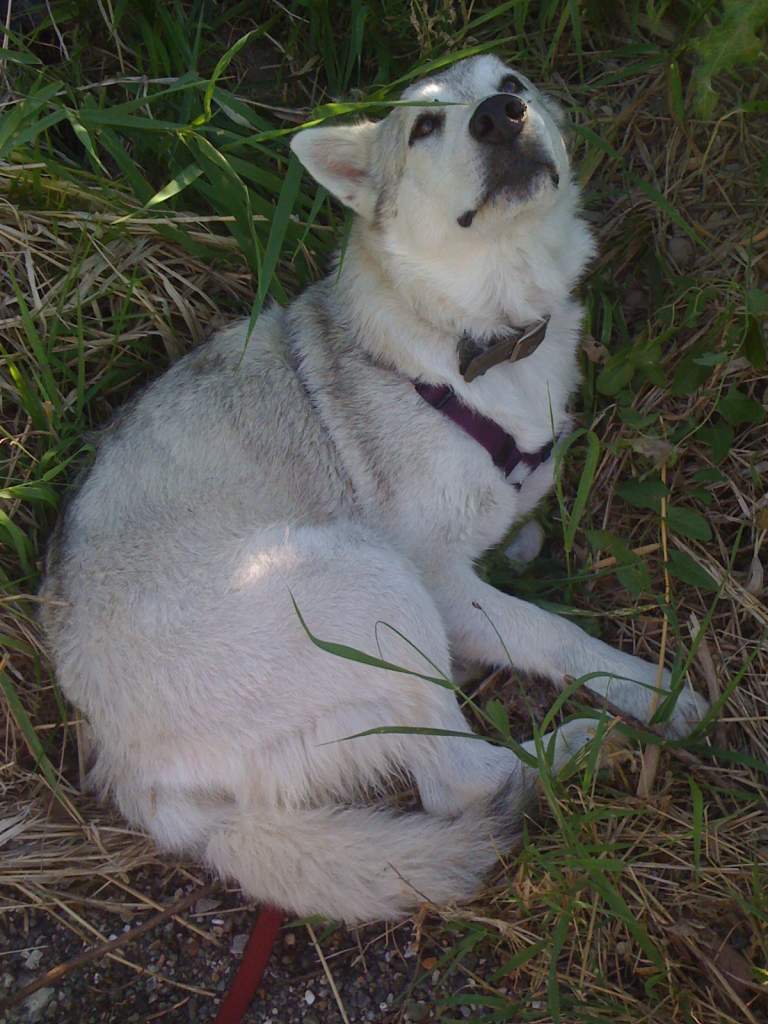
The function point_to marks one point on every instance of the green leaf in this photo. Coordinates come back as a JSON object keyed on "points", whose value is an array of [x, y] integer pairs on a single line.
{"points": [[688, 523], [18, 540], [616, 902], [497, 714], [675, 93], [711, 358], [226, 58], [111, 118], [353, 654], [406, 730], [557, 942], [757, 302], [709, 475], [231, 193], [46, 383], [18, 56], [731, 44], [703, 496], [518, 960], [690, 373], [28, 732], [719, 437], [113, 145], [630, 569], [85, 139], [277, 231], [30, 133], [643, 493], [738, 408], [753, 345], [684, 568], [177, 184], [636, 420], [582, 493], [664, 204], [616, 374], [30, 490], [25, 113]]}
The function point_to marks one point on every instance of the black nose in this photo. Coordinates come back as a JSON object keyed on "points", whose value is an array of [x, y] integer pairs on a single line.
{"points": [[498, 119]]}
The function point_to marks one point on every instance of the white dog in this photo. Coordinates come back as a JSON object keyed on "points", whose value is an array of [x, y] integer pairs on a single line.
{"points": [[357, 455]]}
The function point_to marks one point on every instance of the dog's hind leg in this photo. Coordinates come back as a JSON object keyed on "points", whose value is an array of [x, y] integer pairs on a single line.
{"points": [[356, 591], [254, 746], [463, 771]]}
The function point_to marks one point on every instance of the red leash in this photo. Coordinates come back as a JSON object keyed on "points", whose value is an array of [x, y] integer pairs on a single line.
{"points": [[251, 969]]}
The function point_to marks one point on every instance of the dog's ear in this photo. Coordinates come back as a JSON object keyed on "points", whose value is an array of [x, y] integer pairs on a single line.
{"points": [[340, 159]]}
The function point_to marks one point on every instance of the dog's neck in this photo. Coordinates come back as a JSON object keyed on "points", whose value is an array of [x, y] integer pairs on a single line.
{"points": [[418, 313]]}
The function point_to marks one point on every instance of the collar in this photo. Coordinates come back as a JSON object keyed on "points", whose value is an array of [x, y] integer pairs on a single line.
{"points": [[500, 445], [517, 343]]}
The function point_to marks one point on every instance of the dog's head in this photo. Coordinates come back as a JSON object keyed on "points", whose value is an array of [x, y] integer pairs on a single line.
{"points": [[481, 147]]}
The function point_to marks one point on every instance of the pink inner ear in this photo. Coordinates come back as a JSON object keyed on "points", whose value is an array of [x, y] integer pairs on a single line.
{"points": [[348, 171]]}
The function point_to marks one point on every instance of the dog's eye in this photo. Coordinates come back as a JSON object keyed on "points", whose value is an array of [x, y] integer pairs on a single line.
{"points": [[511, 83], [424, 125]]}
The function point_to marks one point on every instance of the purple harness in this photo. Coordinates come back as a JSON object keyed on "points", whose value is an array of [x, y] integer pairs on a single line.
{"points": [[497, 442]]}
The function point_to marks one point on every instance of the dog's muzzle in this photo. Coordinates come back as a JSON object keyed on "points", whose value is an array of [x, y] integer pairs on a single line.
{"points": [[498, 120], [515, 158]]}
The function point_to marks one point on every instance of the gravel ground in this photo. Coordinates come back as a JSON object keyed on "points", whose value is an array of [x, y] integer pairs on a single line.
{"points": [[378, 972]]}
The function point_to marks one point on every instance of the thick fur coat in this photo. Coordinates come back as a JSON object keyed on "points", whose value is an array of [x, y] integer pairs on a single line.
{"points": [[304, 466]]}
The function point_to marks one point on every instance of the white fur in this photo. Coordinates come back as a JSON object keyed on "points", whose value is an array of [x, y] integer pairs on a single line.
{"points": [[304, 466]]}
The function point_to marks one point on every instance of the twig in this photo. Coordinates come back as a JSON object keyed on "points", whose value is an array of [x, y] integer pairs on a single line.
{"points": [[328, 974], [201, 932], [608, 561], [57, 973]]}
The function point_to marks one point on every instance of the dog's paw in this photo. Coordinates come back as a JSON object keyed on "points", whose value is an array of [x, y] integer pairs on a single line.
{"points": [[570, 738], [526, 544], [690, 708], [631, 685]]}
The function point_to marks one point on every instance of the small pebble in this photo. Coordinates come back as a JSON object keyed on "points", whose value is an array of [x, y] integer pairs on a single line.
{"points": [[681, 250], [32, 959], [205, 905], [416, 1011], [36, 1003]]}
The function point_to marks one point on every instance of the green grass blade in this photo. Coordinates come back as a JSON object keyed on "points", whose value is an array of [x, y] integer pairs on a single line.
{"points": [[27, 730], [583, 491]]}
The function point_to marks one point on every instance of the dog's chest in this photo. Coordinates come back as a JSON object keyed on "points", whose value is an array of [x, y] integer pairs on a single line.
{"points": [[444, 488]]}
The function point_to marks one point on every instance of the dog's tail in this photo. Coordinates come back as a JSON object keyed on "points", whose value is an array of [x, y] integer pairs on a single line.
{"points": [[359, 864]]}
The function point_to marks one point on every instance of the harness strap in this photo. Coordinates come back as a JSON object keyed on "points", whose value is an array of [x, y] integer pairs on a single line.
{"points": [[500, 445]]}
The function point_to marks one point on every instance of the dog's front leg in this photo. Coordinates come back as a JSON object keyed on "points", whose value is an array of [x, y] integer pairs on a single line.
{"points": [[484, 625]]}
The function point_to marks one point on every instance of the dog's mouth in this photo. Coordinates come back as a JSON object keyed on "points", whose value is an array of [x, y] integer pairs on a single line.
{"points": [[519, 180]]}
